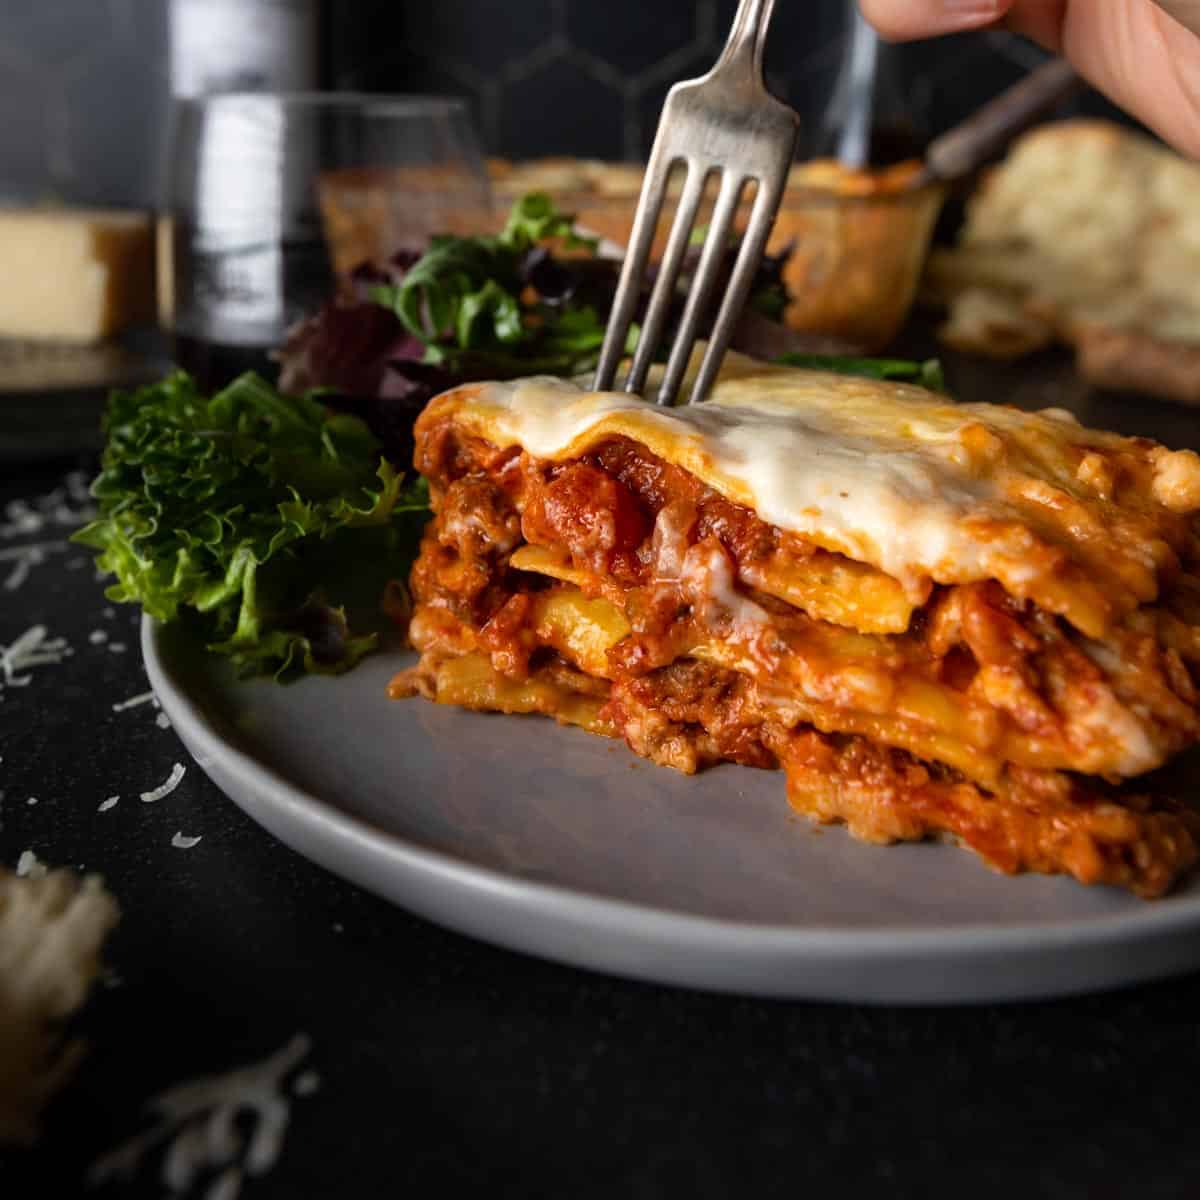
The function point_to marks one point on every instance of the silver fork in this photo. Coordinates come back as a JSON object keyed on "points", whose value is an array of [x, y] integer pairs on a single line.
{"points": [[727, 124]]}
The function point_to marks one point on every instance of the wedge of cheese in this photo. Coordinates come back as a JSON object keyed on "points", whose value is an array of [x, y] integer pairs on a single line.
{"points": [[74, 276], [52, 928]]}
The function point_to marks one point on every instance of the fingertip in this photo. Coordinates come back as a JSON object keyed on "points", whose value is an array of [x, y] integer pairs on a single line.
{"points": [[907, 20]]}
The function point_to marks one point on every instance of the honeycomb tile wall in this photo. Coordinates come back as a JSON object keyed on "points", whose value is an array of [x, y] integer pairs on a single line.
{"points": [[608, 66], [87, 78]]}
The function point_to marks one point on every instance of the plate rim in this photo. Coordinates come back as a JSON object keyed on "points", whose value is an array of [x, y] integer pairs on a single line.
{"points": [[960, 944]]}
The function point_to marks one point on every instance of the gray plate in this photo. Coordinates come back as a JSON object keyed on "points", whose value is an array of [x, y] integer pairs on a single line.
{"points": [[565, 845]]}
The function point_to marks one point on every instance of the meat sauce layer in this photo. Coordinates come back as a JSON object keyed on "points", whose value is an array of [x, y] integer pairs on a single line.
{"points": [[674, 556]]}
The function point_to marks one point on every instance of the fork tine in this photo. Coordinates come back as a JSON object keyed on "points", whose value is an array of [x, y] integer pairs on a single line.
{"points": [[668, 275], [744, 269], [715, 246], [633, 270], [728, 121]]}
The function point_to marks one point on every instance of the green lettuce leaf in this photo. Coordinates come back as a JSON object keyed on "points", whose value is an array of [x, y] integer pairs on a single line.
{"points": [[927, 374], [534, 219], [256, 515], [463, 299], [490, 314]]}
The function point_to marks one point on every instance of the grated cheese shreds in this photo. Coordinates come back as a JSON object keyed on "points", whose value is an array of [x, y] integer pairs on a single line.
{"points": [[166, 788], [182, 842], [227, 1185], [134, 701], [32, 649], [24, 559], [196, 1122], [66, 507], [307, 1083], [111, 802]]}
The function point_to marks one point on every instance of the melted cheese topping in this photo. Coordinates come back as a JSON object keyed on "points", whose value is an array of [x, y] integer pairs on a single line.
{"points": [[887, 474]]}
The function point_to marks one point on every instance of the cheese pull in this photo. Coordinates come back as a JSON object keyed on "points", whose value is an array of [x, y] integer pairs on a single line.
{"points": [[74, 276]]}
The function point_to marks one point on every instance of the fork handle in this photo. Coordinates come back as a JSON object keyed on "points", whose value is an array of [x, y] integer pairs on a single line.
{"points": [[966, 146], [747, 37]]}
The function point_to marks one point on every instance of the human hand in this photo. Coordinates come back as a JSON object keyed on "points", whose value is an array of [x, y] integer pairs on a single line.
{"points": [[1143, 54]]}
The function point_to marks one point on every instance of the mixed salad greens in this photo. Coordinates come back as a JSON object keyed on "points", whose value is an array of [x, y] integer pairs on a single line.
{"points": [[464, 299], [532, 299], [262, 515]]}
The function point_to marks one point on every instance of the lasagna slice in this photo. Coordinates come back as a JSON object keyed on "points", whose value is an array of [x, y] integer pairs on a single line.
{"points": [[939, 619]]}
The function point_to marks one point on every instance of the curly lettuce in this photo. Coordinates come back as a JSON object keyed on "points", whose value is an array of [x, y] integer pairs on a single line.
{"points": [[256, 515]]}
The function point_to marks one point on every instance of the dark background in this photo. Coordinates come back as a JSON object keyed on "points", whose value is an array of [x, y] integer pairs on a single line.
{"points": [[608, 66], [89, 79]]}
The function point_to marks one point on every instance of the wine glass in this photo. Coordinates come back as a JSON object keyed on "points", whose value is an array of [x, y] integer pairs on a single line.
{"points": [[272, 197]]}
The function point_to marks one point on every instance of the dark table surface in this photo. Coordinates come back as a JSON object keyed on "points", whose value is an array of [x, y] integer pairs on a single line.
{"points": [[444, 1062]]}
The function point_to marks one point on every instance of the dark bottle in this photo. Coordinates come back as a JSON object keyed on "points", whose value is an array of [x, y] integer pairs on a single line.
{"points": [[244, 254], [214, 364]]}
